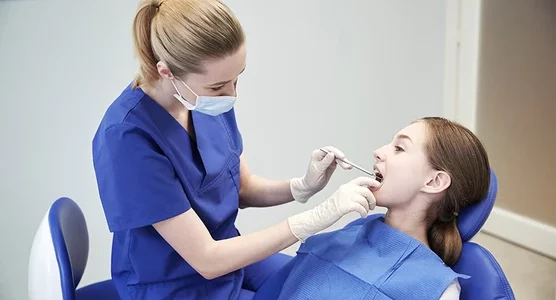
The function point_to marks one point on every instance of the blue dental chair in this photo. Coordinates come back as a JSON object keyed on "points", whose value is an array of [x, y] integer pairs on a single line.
{"points": [[487, 281], [59, 256]]}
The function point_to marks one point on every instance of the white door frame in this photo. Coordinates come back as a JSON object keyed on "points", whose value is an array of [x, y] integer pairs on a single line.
{"points": [[462, 61]]}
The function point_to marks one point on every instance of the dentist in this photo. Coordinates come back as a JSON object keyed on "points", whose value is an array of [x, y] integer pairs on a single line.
{"points": [[170, 171]]}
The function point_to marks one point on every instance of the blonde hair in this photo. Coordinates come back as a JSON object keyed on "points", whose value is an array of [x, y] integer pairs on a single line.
{"points": [[184, 34]]}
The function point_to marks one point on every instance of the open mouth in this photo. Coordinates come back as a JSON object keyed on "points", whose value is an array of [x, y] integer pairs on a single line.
{"points": [[378, 176]]}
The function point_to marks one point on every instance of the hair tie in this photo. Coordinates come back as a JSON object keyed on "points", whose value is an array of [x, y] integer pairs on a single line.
{"points": [[456, 214]]}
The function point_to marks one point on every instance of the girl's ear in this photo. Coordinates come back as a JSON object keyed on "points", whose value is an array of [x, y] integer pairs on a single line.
{"points": [[437, 183]]}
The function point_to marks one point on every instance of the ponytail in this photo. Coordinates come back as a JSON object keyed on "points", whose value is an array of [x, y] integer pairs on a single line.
{"points": [[444, 239], [142, 42], [183, 34]]}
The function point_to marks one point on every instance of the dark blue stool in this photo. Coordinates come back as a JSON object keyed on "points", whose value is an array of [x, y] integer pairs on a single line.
{"points": [[59, 256]]}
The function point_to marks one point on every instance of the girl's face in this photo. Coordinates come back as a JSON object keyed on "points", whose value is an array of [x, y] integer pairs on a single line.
{"points": [[404, 167]]}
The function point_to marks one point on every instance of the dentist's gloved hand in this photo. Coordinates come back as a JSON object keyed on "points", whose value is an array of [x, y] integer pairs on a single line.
{"points": [[352, 196], [321, 167]]}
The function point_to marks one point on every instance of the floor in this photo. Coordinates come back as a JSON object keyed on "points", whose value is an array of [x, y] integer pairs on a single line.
{"points": [[532, 276]]}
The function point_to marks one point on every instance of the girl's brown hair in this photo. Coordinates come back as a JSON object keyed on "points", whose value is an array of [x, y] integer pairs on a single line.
{"points": [[454, 149], [184, 34]]}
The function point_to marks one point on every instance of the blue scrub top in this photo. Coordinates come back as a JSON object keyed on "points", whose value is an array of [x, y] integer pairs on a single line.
{"points": [[148, 169]]}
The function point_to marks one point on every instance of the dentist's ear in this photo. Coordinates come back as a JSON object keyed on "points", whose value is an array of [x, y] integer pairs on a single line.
{"points": [[164, 70], [437, 183]]}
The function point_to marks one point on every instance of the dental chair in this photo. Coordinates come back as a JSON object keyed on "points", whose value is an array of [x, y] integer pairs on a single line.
{"points": [[59, 256], [487, 281]]}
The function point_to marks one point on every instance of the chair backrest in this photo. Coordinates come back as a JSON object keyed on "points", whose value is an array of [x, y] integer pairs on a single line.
{"points": [[487, 278], [59, 252], [487, 281]]}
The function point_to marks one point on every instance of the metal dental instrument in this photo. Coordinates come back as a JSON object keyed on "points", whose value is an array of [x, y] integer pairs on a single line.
{"points": [[354, 165]]}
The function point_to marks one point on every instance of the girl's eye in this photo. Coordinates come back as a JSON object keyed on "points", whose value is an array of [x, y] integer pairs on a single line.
{"points": [[216, 88], [399, 149]]}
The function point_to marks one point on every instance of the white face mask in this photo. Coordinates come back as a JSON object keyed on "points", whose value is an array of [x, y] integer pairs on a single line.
{"points": [[210, 105]]}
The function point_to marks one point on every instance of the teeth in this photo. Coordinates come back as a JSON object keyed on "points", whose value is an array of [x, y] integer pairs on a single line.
{"points": [[378, 176]]}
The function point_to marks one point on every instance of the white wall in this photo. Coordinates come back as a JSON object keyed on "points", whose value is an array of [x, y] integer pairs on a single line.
{"points": [[318, 73]]}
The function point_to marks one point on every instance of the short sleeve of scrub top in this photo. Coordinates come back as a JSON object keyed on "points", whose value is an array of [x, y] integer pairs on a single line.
{"points": [[139, 184]]}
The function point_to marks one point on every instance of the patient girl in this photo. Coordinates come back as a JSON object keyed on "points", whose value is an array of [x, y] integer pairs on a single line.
{"points": [[431, 170]]}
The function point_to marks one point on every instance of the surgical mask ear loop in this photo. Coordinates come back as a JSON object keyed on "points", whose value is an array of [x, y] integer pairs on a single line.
{"points": [[189, 88], [181, 99]]}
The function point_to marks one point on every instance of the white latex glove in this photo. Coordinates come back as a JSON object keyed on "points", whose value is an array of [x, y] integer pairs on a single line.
{"points": [[352, 196], [321, 167]]}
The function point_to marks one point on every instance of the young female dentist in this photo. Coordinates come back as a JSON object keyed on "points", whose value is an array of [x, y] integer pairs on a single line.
{"points": [[171, 174]]}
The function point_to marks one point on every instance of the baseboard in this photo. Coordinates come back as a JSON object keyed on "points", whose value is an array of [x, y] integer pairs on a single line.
{"points": [[522, 231]]}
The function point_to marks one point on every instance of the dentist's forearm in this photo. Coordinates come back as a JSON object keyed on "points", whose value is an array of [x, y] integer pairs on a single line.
{"points": [[225, 256], [262, 192], [188, 235]]}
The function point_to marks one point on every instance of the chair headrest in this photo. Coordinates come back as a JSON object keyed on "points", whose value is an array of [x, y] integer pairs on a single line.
{"points": [[472, 218]]}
